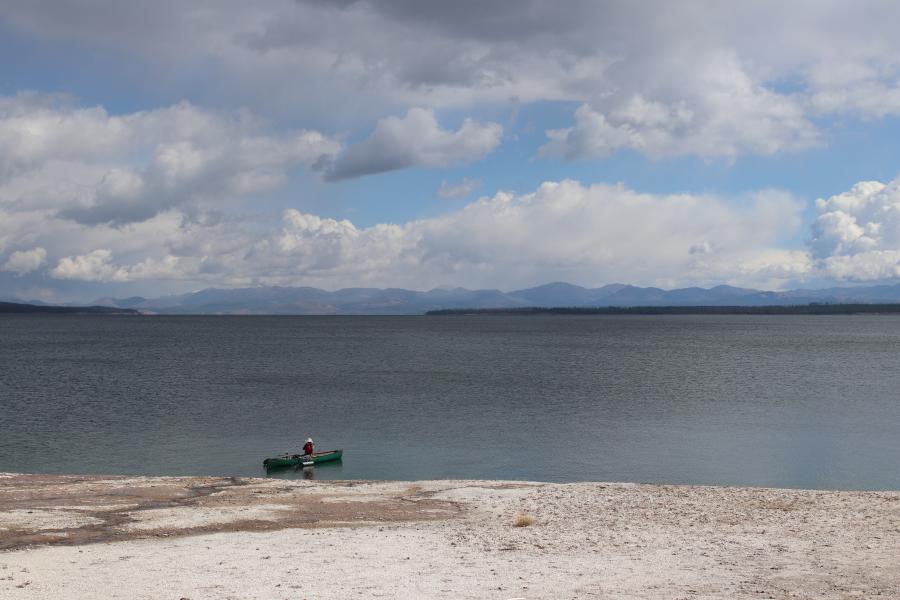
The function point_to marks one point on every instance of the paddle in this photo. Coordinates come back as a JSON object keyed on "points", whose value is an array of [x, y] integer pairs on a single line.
{"points": [[305, 463]]}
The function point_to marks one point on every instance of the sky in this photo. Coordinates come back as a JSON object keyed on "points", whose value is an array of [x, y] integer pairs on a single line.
{"points": [[152, 148]]}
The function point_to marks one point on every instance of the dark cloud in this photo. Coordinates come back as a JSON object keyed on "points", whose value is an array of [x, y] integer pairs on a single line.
{"points": [[415, 140], [350, 62]]}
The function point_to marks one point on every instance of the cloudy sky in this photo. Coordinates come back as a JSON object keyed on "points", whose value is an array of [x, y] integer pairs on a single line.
{"points": [[166, 146]]}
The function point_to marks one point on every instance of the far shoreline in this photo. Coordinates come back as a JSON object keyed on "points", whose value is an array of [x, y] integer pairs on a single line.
{"points": [[797, 309], [812, 309]]}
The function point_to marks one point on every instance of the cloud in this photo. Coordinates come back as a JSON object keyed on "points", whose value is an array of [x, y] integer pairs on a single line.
{"points": [[856, 234], [93, 167], [25, 261], [563, 230], [94, 266], [459, 190], [657, 77], [714, 110], [415, 140]]}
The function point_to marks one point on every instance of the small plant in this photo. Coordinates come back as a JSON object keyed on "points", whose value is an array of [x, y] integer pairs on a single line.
{"points": [[523, 520]]}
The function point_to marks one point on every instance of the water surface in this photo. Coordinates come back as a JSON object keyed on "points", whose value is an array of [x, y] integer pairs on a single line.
{"points": [[788, 401]]}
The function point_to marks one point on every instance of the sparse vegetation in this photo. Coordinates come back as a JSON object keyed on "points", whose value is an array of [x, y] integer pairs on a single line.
{"points": [[523, 520]]}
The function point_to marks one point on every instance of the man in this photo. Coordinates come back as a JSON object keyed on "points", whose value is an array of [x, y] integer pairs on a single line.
{"points": [[308, 447]]}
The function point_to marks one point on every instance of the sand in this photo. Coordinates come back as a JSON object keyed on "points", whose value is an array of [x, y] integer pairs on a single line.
{"points": [[104, 537]]}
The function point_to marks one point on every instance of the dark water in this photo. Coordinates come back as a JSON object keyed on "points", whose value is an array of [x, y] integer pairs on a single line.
{"points": [[779, 400]]}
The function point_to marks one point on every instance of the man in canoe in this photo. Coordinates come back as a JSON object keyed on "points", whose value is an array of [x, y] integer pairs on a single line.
{"points": [[308, 448]]}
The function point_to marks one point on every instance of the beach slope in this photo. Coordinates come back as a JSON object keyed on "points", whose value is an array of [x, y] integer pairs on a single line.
{"points": [[205, 537]]}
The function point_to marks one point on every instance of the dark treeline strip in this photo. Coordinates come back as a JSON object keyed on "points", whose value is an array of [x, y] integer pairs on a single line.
{"points": [[17, 308], [800, 309]]}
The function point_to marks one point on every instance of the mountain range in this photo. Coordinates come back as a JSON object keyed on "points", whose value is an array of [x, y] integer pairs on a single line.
{"points": [[395, 301]]}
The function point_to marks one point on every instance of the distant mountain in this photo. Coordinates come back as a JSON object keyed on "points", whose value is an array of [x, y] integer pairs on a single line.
{"points": [[395, 301], [566, 294], [556, 294], [313, 301], [19, 308], [119, 302]]}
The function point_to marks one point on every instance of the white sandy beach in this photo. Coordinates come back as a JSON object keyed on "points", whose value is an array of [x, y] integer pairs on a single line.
{"points": [[100, 537]]}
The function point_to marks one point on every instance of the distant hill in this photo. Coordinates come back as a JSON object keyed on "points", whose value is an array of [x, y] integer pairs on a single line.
{"points": [[120, 302], [396, 301], [18, 308]]}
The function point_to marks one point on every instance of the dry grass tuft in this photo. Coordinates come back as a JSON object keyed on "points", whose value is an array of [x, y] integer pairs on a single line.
{"points": [[523, 520]]}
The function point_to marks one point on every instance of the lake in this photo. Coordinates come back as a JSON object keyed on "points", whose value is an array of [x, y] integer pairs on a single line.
{"points": [[789, 401]]}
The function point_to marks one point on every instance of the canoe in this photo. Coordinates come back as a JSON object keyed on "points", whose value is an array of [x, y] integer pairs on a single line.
{"points": [[293, 460]]}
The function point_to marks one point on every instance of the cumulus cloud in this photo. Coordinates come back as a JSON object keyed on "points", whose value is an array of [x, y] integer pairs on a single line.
{"points": [[25, 261], [94, 266], [856, 234], [658, 77], [415, 140], [563, 230], [459, 190], [718, 110], [94, 167], [133, 197]]}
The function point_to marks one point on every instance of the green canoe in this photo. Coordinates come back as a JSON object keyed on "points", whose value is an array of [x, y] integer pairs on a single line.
{"points": [[293, 460]]}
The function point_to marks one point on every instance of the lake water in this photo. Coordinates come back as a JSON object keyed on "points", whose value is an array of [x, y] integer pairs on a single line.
{"points": [[810, 402]]}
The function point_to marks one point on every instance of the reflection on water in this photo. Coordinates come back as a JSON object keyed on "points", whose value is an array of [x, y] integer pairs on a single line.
{"points": [[326, 470]]}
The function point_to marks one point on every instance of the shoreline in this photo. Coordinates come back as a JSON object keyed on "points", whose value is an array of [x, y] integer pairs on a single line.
{"points": [[216, 537]]}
